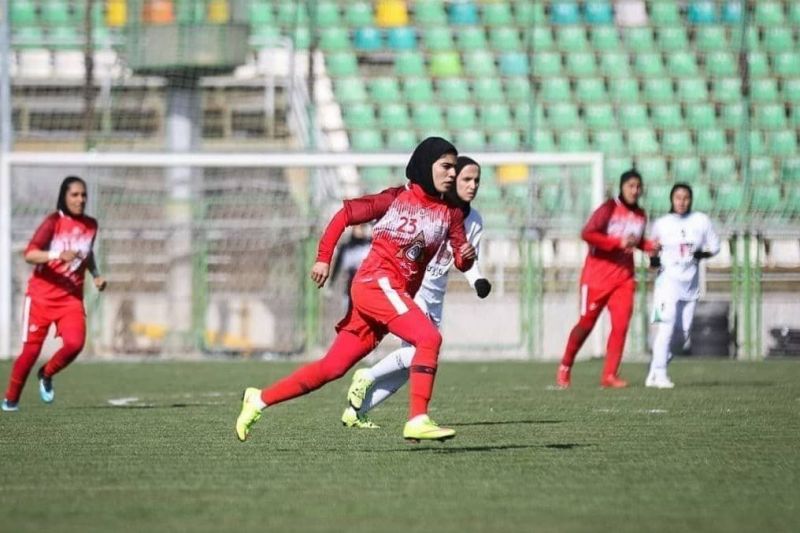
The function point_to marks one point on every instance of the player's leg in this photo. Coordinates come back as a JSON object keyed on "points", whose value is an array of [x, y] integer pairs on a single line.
{"points": [[71, 327], [620, 307], [593, 300], [663, 317], [35, 323]]}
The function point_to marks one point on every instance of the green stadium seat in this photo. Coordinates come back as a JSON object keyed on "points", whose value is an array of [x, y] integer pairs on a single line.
{"points": [[564, 12], [658, 90], [677, 143], [288, 15], [427, 117], [518, 90], [623, 90], [590, 90], [374, 179], [653, 169], [497, 14], [265, 36], [727, 90], [562, 115], [54, 13], [731, 12], [782, 143], [573, 140], [522, 115], [642, 141], [383, 90], [438, 39], [666, 116], [301, 37], [673, 39], [471, 140], [430, 13], [598, 12], [764, 90], [614, 167], [546, 64], [350, 90], [479, 63], [487, 90], [328, 15], [418, 90], [790, 170], [189, 12], [555, 89], [692, 90], [729, 197], [700, 116], [461, 116], [409, 64], [711, 141], [615, 64], [341, 64], [581, 64], [757, 146], [721, 167], [701, 12], [786, 65], [402, 38], [701, 197], [605, 39], [368, 39], [762, 171], [471, 38], [572, 39], [664, 14], [791, 204], [639, 39], [28, 37], [794, 14], [505, 140], [656, 196], [261, 14], [794, 115], [649, 64], [552, 199], [766, 199], [682, 64], [599, 116], [711, 39], [542, 38], [768, 13], [359, 116], [64, 37], [463, 14], [720, 64], [609, 141], [543, 141], [453, 90], [686, 168], [367, 140], [505, 39], [496, 117], [514, 64], [401, 140], [359, 14], [445, 64], [770, 117], [22, 13], [529, 12], [393, 116], [778, 40], [757, 64]]}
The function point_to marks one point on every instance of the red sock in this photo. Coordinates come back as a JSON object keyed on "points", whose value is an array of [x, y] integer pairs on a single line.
{"points": [[22, 367], [421, 389], [73, 344]]}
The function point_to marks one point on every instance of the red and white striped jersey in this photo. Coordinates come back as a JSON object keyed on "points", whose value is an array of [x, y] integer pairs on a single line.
{"points": [[57, 233]]}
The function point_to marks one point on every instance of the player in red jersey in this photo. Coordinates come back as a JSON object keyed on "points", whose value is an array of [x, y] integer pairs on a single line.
{"points": [[61, 249], [413, 222], [613, 231]]}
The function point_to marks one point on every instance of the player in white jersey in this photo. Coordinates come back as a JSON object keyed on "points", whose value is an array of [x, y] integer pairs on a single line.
{"points": [[371, 386], [686, 238]]}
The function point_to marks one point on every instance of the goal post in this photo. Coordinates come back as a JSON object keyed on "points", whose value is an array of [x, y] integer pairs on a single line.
{"points": [[252, 208]]}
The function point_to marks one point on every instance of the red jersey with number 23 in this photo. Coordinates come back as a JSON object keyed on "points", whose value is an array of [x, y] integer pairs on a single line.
{"points": [[56, 279]]}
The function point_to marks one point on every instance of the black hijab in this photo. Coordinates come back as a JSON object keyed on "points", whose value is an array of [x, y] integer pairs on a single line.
{"points": [[61, 205], [420, 167]]}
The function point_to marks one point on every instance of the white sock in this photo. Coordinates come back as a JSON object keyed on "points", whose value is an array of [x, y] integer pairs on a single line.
{"points": [[383, 389], [258, 403], [661, 353], [397, 360]]}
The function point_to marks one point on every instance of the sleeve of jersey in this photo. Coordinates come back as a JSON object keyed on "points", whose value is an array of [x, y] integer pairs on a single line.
{"points": [[594, 232], [646, 245], [474, 273], [712, 239], [457, 239], [43, 236]]}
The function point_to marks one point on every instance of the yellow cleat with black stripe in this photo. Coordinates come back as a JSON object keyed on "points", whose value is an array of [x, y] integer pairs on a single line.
{"points": [[249, 415], [351, 419]]}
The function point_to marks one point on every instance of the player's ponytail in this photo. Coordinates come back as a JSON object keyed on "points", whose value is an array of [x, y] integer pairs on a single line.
{"points": [[61, 205]]}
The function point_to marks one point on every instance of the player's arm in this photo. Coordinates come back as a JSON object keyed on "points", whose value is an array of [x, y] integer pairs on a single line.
{"points": [[651, 245], [594, 232], [38, 250], [463, 252], [655, 235], [474, 275], [711, 243], [91, 265]]}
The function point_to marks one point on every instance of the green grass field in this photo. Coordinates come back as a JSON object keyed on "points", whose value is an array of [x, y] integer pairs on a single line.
{"points": [[719, 453]]}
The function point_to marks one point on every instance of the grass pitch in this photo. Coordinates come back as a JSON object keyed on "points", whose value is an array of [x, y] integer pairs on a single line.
{"points": [[718, 453]]}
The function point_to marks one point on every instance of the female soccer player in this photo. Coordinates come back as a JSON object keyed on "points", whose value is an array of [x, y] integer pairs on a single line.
{"points": [[61, 249], [372, 386], [413, 223], [686, 238], [613, 231]]}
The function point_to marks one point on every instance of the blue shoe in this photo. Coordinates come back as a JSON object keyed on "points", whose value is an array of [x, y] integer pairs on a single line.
{"points": [[9, 407], [46, 391]]}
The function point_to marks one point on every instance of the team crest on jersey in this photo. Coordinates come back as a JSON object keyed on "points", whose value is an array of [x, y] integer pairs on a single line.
{"points": [[414, 250]]}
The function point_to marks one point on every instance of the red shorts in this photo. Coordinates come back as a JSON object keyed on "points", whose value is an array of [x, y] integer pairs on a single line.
{"points": [[37, 315], [594, 298], [373, 304]]}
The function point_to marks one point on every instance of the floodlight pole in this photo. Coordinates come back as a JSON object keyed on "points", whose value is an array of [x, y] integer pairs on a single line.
{"points": [[5, 181]]}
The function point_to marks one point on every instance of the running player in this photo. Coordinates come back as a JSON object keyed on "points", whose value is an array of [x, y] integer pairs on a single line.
{"points": [[371, 386], [413, 223], [686, 238], [61, 249], [613, 231]]}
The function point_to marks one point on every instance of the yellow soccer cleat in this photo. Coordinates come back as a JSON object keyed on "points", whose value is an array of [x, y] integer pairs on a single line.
{"points": [[249, 415], [421, 427], [351, 419], [359, 387]]}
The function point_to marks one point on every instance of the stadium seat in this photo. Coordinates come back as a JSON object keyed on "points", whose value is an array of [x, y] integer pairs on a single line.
{"points": [[542, 38], [677, 143], [623, 90], [350, 90], [529, 13], [265, 37], [359, 116], [64, 37], [682, 64], [719, 64], [658, 90], [768, 13], [757, 146], [438, 39], [358, 14], [25, 37], [615, 64], [778, 40], [301, 37], [463, 14], [409, 64], [581, 64], [288, 15], [418, 90], [573, 140], [701, 12], [700, 116], [522, 115], [786, 65], [721, 168], [656, 196], [763, 91], [518, 90], [794, 115], [461, 116], [116, 15], [334, 40], [642, 141], [401, 38], [590, 90], [766, 199], [615, 166], [514, 64], [639, 39], [487, 90], [727, 90], [497, 14], [367, 140], [757, 64], [599, 116], [54, 13], [686, 168], [711, 141], [341, 64], [401, 140], [393, 116], [445, 64], [564, 12], [667, 116], [791, 204], [471, 38], [479, 63], [598, 12], [729, 197], [496, 117], [427, 116], [551, 198], [605, 39], [790, 170], [383, 90], [470, 140], [367, 39], [546, 64], [555, 89], [711, 39], [430, 13], [731, 12], [543, 140], [392, 14], [692, 90], [782, 143], [649, 64], [505, 140], [562, 115], [22, 13], [572, 39], [609, 142], [653, 169], [505, 39], [762, 171], [453, 90], [664, 14], [673, 39], [770, 117], [327, 14]]}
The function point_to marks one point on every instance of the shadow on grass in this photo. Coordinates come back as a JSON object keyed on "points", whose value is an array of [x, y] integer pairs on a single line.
{"points": [[176, 405], [479, 449], [729, 384], [505, 422]]}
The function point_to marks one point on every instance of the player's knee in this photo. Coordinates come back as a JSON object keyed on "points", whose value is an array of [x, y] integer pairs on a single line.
{"points": [[430, 339], [73, 344]]}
